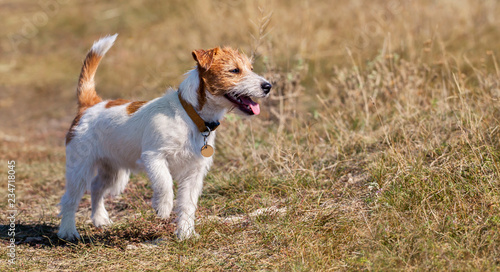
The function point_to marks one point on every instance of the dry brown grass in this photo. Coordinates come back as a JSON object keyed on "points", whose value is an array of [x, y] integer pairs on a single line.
{"points": [[378, 149]]}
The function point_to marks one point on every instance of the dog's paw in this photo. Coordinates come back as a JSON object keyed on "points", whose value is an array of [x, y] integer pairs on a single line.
{"points": [[184, 233], [181, 236], [69, 235], [101, 221], [164, 211]]}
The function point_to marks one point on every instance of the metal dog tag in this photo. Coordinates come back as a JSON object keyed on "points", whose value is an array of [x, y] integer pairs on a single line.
{"points": [[207, 151]]}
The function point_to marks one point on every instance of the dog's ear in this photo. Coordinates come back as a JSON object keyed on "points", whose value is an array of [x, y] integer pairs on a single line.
{"points": [[204, 58]]}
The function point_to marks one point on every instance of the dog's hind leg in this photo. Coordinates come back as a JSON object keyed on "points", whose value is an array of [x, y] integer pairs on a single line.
{"points": [[77, 179], [108, 180]]}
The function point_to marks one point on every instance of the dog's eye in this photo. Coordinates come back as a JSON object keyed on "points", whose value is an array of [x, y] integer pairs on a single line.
{"points": [[235, 71]]}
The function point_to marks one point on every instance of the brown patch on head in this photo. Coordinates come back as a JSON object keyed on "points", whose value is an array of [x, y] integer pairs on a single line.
{"points": [[202, 96], [117, 102], [204, 58], [220, 69], [134, 106]]}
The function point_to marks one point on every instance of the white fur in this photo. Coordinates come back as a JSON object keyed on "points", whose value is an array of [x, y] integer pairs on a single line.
{"points": [[160, 139], [102, 46]]}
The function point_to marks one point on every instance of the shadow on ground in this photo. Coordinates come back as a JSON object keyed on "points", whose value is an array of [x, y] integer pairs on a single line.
{"points": [[45, 235], [32, 234]]}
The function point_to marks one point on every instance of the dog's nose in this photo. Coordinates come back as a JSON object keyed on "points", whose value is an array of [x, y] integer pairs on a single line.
{"points": [[266, 86]]}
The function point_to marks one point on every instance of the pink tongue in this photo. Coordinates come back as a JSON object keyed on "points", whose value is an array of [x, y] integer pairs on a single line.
{"points": [[253, 106]]}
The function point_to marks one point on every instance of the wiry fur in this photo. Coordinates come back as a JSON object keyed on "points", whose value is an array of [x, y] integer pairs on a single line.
{"points": [[109, 139]]}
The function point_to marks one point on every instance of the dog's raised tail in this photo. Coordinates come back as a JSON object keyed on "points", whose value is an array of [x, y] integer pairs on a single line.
{"points": [[85, 92]]}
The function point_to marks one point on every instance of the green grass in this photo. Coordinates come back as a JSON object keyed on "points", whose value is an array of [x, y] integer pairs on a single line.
{"points": [[377, 150]]}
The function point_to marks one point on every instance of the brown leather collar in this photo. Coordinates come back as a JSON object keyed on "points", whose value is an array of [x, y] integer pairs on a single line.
{"points": [[198, 121]]}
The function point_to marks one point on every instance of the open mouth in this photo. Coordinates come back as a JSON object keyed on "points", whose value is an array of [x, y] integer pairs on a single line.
{"points": [[244, 103]]}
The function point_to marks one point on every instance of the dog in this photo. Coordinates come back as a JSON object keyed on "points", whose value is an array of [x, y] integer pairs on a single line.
{"points": [[170, 137]]}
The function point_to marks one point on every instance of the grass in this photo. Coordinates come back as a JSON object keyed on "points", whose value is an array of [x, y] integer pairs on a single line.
{"points": [[377, 150]]}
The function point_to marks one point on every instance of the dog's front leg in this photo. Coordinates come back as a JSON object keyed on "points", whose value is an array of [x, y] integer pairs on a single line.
{"points": [[156, 166], [187, 200]]}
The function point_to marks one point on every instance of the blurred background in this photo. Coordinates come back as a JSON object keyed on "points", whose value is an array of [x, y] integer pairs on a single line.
{"points": [[43, 43]]}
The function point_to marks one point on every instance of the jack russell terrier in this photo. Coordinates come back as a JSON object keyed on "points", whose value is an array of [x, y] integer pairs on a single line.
{"points": [[170, 137]]}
